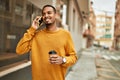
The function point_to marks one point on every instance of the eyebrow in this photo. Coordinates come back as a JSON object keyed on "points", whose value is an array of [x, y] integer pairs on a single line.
{"points": [[47, 11]]}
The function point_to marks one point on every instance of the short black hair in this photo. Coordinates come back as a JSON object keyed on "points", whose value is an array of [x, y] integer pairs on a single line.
{"points": [[54, 9]]}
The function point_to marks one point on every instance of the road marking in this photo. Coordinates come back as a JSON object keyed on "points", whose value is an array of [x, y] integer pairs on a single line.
{"points": [[117, 72], [105, 67], [111, 77], [108, 70], [106, 57], [114, 58]]}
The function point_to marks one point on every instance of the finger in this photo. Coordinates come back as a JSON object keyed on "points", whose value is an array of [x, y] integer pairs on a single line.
{"points": [[38, 18], [36, 23], [53, 59], [57, 62], [53, 62]]}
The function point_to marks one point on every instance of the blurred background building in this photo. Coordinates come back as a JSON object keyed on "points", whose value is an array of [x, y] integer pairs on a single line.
{"points": [[104, 30], [116, 42], [90, 30]]}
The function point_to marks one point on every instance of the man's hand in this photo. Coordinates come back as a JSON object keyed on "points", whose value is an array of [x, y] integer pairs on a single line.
{"points": [[35, 23], [56, 59]]}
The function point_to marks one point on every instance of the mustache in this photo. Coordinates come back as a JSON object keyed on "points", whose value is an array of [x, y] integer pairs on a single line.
{"points": [[48, 24]]}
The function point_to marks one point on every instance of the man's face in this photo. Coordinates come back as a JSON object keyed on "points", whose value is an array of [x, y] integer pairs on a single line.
{"points": [[48, 15]]}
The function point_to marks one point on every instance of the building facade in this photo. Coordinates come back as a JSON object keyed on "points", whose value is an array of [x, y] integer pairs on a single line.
{"points": [[116, 42], [90, 30], [16, 17], [104, 30]]}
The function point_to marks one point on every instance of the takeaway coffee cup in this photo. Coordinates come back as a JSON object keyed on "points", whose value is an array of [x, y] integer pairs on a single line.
{"points": [[52, 53]]}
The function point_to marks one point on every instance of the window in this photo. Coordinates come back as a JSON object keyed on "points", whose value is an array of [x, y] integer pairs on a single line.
{"points": [[107, 30], [73, 27], [18, 9], [108, 25], [107, 36], [4, 5], [29, 11]]}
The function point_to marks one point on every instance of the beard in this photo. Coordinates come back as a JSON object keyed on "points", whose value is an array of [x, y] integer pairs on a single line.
{"points": [[49, 24]]}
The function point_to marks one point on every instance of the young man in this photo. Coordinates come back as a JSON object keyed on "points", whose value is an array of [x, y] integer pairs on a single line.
{"points": [[41, 42]]}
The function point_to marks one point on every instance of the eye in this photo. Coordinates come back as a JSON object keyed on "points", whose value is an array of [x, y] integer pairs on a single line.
{"points": [[43, 14], [49, 12]]}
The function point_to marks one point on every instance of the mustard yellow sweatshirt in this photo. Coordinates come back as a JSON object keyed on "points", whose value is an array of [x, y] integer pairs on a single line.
{"points": [[40, 43]]}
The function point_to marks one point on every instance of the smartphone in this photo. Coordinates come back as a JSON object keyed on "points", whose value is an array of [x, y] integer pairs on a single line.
{"points": [[40, 21], [42, 25]]}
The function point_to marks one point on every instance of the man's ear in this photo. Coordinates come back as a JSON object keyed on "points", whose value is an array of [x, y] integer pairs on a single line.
{"points": [[56, 16]]}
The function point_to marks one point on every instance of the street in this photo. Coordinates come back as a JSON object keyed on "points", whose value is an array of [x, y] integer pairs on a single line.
{"points": [[89, 22], [93, 64], [96, 64]]}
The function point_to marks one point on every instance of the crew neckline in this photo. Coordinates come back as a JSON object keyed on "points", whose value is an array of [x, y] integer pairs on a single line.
{"points": [[59, 29]]}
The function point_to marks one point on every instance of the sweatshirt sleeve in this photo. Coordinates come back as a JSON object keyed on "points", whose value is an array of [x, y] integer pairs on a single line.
{"points": [[71, 56], [24, 45]]}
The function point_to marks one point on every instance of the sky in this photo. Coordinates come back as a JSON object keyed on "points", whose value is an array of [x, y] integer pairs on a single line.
{"points": [[104, 6]]}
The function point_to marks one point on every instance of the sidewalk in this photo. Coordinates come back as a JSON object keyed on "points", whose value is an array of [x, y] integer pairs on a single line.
{"points": [[84, 69]]}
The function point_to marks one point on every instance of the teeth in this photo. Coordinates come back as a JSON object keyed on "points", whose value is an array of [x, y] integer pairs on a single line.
{"points": [[47, 19]]}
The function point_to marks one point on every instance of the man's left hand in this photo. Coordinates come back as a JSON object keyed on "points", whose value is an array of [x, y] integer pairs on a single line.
{"points": [[56, 60]]}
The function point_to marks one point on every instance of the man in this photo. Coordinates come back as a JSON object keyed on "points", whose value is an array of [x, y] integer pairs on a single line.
{"points": [[41, 42]]}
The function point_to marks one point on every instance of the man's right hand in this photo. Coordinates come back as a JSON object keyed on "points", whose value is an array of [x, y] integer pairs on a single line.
{"points": [[35, 23]]}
